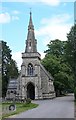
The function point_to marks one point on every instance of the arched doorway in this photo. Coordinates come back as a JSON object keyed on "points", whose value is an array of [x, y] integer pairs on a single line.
{"points": [[31, 91]]}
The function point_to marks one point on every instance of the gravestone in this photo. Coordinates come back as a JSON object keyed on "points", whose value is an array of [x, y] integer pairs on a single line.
{"points": [[12, 107]]}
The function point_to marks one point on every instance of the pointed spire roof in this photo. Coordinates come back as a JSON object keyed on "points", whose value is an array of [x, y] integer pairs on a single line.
{"points": [[30, 22], [31, 41]]}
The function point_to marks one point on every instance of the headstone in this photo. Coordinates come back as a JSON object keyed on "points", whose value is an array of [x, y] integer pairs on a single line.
{"points": [[12, 107]]}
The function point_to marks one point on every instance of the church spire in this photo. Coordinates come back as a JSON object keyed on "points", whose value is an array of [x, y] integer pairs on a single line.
{"points": [[30, 22], [31, 41]]}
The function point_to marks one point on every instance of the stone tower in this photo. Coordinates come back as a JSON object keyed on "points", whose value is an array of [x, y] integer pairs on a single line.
{"points": [[34, 81]]}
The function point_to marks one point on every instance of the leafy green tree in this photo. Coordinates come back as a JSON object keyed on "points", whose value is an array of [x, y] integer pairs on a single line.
{"points": [[9, 67], [57, 65], [51, 63], [56, 47], [70, 51], [12, 69]]}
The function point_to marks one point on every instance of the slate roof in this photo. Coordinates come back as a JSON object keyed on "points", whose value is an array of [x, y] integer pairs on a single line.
{"points": [[13, 84]]}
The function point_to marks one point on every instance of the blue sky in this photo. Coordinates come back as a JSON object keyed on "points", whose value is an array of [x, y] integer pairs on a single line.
{"points": [[51, 19]]}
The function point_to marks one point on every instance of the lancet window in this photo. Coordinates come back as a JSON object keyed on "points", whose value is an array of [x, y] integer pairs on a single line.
{"points": [[30, 69]]}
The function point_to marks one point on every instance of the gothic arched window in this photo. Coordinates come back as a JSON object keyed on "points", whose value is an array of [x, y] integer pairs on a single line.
{"points": [[30, 69]]}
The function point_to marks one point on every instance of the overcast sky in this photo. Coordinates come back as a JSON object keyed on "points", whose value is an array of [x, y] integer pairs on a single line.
{"points": [[52, 20]]}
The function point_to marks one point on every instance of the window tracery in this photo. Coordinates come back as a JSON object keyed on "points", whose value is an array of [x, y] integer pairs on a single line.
{"points": [[30, 69]]}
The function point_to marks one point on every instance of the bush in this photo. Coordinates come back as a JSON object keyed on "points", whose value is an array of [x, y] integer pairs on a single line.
{"points": [[28, 100], [75, 93]]}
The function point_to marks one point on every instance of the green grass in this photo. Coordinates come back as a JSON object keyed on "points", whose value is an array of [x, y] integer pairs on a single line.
{"points": [[0, 111], [20, 107]]}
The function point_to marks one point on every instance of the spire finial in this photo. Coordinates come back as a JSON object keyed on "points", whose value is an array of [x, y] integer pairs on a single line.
{"points": [[30, 21], [30, 12]]}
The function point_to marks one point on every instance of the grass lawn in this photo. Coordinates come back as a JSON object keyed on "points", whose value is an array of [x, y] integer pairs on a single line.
{"points": [[20, 107], [0, 111]]}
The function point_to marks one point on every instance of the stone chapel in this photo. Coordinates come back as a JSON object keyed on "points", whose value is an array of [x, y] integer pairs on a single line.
{"points": [[34, 81]]}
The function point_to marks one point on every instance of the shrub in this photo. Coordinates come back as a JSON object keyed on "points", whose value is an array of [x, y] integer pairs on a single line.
{"points": [[28, 100]]}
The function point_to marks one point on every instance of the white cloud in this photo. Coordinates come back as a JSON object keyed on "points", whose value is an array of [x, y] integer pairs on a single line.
{"points": [[5, 18], [53, 28], [47, 2], [51, 2], [15, 12], [17, 57], [56, 19], [42, 55]]}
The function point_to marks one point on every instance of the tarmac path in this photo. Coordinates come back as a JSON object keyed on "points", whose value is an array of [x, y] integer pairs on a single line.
{"points": [[60, 107]]}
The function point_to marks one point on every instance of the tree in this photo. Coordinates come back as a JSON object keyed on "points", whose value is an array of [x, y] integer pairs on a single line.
{"points": [[9, 67], [70, 51], [56, 47], [12, 69], [56, 64]]}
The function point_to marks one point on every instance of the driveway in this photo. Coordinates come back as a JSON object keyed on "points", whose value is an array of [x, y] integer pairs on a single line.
{"points": [[60, 107]]}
